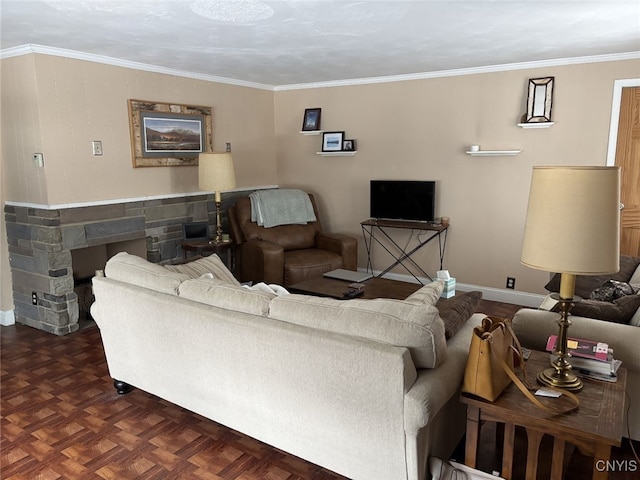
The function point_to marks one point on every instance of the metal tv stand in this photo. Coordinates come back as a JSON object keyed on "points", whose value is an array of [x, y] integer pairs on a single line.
{"points": [[374, 226]]}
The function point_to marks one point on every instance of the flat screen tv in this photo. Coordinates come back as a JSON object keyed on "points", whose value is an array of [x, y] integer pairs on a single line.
{"points": [[403, 200]]}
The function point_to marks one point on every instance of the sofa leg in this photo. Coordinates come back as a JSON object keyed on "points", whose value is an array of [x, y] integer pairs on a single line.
{"points": [[122, 387]]}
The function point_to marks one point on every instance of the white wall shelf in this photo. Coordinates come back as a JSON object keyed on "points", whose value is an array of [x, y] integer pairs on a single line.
{"points": [[493, 153], [536, 125], [311, 132], [338, 154]]}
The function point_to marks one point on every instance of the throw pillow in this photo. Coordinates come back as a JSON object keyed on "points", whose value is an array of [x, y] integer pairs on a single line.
{"points": [[132, 269], [620, 310], [611, 290], [427, 295], [211, 264], [455, 311]]}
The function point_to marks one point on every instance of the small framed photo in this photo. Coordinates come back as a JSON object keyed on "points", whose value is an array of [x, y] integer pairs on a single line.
{"points": [[311, 119], [332, 141], [349, 145]]}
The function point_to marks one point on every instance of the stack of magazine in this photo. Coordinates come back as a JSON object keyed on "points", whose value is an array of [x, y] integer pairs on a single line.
{"points": [[588, 358]]}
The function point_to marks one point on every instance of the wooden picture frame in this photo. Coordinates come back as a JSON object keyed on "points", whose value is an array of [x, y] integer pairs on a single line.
{"points": [[311, 120], [539, 100], [332, 141], [169, 134]]}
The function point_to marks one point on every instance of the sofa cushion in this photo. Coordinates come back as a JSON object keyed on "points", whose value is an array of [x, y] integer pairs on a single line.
{"points": [[219, 293], [429, 294], [455, 311], [585, 284], [211, 264], [415, 326], [138, 271], [620, 310], [635, 278]]}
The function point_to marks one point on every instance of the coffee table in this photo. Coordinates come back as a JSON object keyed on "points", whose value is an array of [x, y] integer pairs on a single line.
{"points": [[596, 426], [375, 287]]}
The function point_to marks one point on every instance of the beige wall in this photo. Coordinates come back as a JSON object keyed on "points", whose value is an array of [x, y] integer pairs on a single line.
{"points": [[57, 106], [420, 130], [406, 130]]}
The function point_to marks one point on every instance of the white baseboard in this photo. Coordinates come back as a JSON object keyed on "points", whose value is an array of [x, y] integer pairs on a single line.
{"points": [[488, 293], [7, 318]]}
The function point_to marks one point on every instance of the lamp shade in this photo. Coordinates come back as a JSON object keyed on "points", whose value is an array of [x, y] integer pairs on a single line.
{"points": [[573, 220], [216, 172]]}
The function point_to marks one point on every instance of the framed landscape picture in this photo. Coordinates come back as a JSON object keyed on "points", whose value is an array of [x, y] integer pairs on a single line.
{"points": [[165, 134], [311, 120], [332, 141]]}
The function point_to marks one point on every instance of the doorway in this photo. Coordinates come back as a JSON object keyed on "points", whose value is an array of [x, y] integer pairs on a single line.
{"points": [[624, 151]]}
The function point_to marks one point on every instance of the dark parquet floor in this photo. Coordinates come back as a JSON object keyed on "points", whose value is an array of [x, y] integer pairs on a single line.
{"points": [[60, 418]]}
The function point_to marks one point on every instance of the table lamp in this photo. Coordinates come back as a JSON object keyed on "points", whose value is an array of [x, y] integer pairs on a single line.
{"points": [[216, 173], [572, 228]]}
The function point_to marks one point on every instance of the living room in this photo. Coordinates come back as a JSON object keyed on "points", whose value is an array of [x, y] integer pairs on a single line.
{"points": [[406, 127]]}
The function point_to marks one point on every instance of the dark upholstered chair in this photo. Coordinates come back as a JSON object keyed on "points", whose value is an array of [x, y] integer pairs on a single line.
{"points": [[287, 254]]}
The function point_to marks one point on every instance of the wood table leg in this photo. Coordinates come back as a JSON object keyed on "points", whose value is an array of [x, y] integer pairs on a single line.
{"points": [[507, 449], [557, 459], [472, 436], [533, 439], [600, 461]]}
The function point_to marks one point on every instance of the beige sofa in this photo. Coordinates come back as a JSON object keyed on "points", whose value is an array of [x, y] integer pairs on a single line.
{"points": [[366, 388]]}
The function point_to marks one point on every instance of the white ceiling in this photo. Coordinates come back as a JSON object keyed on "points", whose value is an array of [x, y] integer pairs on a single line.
{"points": [[276, 43]]}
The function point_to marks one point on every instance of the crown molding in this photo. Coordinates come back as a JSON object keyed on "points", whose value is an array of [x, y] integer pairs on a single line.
{"points": [[90, 57], [60, 52], [464, 71]]}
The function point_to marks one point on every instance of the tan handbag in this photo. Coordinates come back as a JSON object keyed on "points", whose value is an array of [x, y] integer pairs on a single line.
{"points": [[484, 375], [490, 365]]}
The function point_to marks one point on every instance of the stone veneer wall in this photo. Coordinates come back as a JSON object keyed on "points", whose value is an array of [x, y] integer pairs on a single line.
{"points": [[40, 243]]}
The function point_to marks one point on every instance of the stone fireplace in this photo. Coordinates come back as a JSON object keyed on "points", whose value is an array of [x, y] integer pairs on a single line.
{"points": [[52, 250]]}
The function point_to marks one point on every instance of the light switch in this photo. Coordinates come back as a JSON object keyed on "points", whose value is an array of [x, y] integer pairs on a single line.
{"points": [[96, 145], [38, 159]]}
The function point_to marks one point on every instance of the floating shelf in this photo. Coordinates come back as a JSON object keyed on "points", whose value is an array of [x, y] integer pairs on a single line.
{"points": [[338, 154], [493, 153], [311, 132], [536, 125]]}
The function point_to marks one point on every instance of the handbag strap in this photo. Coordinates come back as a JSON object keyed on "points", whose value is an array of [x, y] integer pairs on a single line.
{"points": [[525, 388]]}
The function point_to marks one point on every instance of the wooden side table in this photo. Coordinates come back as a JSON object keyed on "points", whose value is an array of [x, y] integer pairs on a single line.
{"points": [[596, 426], [220, 248]]}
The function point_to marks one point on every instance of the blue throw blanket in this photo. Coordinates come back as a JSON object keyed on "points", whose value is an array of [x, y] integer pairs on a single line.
{"points": [[270, 208]]}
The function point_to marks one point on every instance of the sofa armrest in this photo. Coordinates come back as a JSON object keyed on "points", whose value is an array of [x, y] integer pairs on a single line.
{"points": [[343, 245], [262, 262], [434, 387], [533, 328]]}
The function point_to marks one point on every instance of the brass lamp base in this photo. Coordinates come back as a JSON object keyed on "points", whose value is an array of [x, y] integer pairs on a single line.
{"points": [[560, 374], [560, 379]]}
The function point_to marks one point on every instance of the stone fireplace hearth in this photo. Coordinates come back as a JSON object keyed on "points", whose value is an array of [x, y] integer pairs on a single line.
{"points": [[41, 242]]}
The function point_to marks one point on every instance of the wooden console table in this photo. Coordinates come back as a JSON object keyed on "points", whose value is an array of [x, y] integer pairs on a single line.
{"points": [[374, 226], [596, 426]]}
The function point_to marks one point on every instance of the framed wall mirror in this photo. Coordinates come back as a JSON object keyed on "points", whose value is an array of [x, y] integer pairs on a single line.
{"points": [[539, 99]]}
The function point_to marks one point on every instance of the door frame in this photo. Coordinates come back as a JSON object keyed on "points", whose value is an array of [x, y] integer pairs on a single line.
{"points": [[618, 85]]}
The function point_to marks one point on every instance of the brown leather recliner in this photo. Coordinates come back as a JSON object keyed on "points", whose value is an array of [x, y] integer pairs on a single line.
{"points": [[287, 254]]}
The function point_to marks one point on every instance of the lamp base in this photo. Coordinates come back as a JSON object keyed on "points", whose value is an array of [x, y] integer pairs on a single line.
{"points": [[560, 379]]}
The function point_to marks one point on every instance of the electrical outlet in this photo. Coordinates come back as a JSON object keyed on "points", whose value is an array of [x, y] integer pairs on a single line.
{"points": [[511, 282], [34, 298], [96, 146]]}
